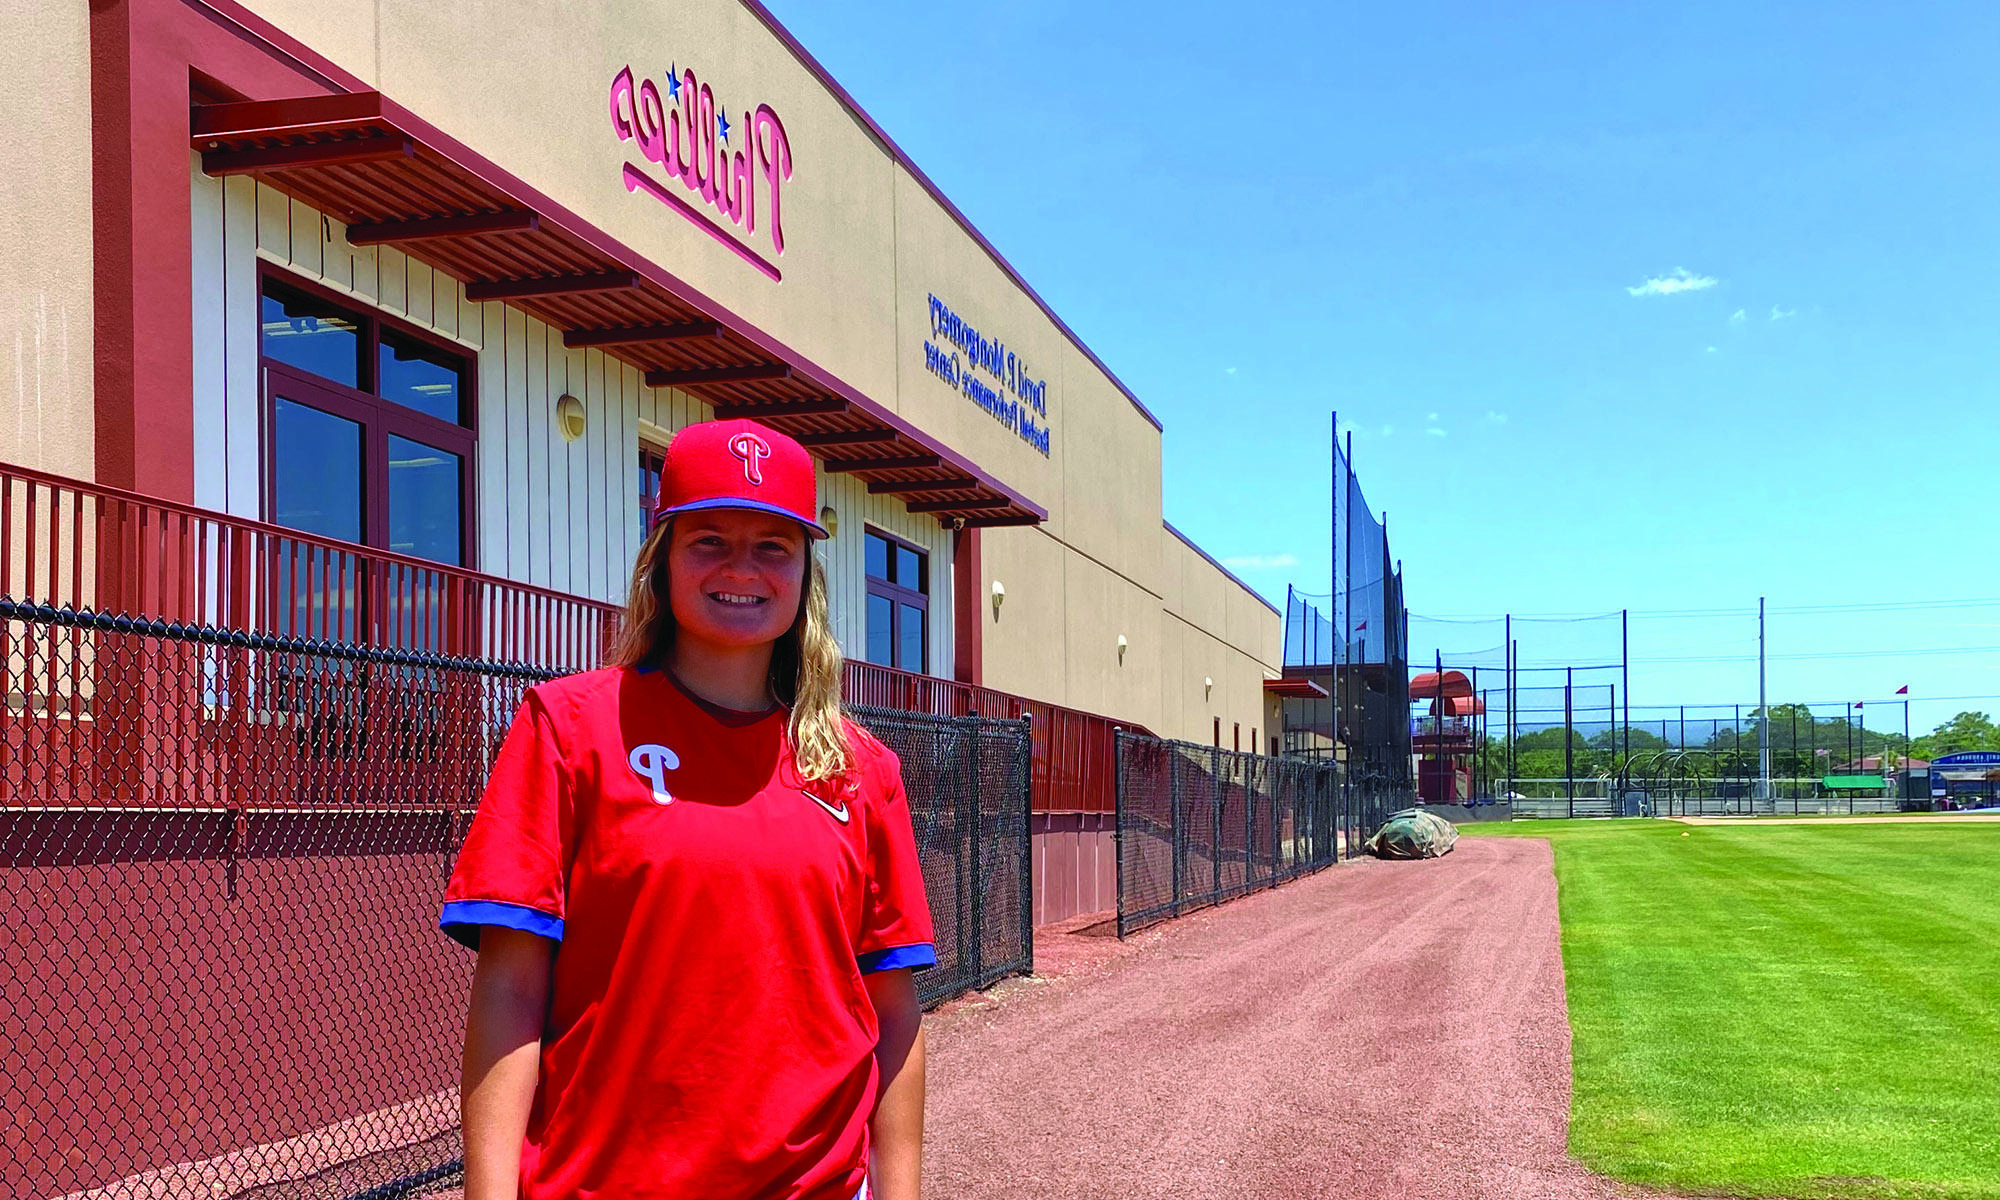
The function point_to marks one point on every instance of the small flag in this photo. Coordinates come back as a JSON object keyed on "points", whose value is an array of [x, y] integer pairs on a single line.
{"points": [[1360, 627], [1859, 703], [1904, 690]]}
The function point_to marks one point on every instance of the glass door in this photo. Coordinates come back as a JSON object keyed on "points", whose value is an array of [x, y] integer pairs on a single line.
{"points": [[319, 485]]}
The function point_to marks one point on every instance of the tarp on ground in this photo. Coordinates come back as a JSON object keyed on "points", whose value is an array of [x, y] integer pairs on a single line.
{"points": [[1413, 833]]}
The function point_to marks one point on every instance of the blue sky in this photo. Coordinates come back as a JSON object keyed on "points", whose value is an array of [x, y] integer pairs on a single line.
{"points": [[1650, 307]]}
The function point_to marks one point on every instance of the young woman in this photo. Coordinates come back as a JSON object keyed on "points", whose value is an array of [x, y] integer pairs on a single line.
{"points": [[693, 885]]}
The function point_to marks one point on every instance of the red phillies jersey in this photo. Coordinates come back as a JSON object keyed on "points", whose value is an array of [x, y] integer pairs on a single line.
{"points": [[709, 1032]]}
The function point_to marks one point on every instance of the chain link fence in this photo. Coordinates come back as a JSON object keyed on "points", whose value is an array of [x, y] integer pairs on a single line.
{"points": [[1198, 825], [968, 784], [221, 860]]}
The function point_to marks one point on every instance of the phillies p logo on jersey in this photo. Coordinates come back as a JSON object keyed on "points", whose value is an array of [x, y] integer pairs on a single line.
{"points": [[651, 762], [753, 450]]}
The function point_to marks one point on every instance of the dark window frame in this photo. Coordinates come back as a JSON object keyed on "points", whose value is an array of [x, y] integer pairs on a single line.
{"points": [[652, 460], [378, 417], [898, 595]]}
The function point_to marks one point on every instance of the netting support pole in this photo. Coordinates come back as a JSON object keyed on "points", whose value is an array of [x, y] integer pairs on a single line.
{"points": [[1508, 687], [978, 947], [1569, 743], [1903, 778], [1793, 747], [1118, 818], [1178, 825], [1625, 676], [1215, 794], [1025, 762], [1763, 716], [1247, 765], [1472, 735]]}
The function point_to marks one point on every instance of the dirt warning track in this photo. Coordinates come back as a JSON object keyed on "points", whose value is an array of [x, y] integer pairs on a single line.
{"points": [[1378, 1030]]}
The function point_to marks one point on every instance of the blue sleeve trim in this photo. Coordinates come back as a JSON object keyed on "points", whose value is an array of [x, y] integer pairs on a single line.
{"points": [[462, 920], [897, 958]]}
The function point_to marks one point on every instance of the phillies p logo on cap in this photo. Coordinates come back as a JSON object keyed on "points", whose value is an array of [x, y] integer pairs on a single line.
{"points": [[739, 464], [752, 450]]}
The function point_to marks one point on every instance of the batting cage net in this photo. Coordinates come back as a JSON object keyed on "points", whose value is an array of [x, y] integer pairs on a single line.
{"points": [[221, 860], [1198, 825]]}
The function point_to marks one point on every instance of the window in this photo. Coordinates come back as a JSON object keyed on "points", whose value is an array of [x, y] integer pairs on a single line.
{"points": [[367, 440], [652, 465], [368, 427], [898, 603]]}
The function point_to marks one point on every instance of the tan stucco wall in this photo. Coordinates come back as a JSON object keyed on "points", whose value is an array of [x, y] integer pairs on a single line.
{"points": [[935, 257], [46, 311], [1026, 641], [1215, 629], [1101, 607], [1111, 474]]}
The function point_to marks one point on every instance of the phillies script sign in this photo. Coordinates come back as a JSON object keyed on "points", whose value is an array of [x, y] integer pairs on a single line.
{"points": [[713, 172]]}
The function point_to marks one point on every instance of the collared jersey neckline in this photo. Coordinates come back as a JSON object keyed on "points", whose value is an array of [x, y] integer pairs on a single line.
{"points": [[734, 718]]}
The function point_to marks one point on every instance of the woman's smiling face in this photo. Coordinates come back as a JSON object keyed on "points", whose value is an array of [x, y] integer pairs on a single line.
{"points": [[735, 576]]}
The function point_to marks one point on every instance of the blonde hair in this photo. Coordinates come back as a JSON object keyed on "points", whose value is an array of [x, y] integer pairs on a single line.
{"points": [[805, 661]]}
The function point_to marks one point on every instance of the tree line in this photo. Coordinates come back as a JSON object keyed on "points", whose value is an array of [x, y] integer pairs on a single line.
{"points": [[1803, 745]]}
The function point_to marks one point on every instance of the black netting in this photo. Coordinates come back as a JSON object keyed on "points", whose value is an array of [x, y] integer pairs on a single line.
{"points": [[1198, 824], [221, 860]]}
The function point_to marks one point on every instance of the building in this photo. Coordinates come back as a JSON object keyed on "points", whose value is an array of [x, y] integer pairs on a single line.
{"points": [[431, 286]]}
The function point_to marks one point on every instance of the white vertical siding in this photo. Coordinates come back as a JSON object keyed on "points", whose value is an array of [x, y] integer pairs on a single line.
{"points": [[207, 253], [495, 475], [242, 312], [550, 512]]}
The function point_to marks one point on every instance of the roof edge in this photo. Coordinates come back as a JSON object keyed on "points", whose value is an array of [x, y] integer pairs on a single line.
{"points": [[1233, 578], [806, 60]]}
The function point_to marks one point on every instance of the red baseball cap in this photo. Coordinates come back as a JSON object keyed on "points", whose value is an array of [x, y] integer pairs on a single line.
{"points": [[739, 464]]}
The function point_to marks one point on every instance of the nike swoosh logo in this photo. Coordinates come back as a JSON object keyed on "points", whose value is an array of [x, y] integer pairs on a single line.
{"points": [[838, 814]]}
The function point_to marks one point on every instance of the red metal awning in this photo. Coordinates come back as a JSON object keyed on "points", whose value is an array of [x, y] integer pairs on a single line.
{"points": [[1295, 689], [394, 179], [1428, 686]]}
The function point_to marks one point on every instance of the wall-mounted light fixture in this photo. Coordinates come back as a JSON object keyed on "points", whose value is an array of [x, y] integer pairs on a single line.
{"points": [[1121, 649], [829, 520], [999, 594], [1207, 687], [569, 418]]}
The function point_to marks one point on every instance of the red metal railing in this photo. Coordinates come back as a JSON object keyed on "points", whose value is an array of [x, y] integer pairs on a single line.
{"points": [[1074, 756], [67, 543], [97, 715]]}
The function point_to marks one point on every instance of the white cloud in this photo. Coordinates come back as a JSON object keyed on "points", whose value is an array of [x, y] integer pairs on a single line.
{"points": [[1388, 431], [1738, 317], [1779, 314], [1679, 280], [1229, 370], [1431, 417], [1711, 350], [1261, 562], [1495, 418], [1434, 431]]}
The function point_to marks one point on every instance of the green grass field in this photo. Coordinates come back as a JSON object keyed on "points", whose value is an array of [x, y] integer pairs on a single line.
{"points": [[1783, 1010]]}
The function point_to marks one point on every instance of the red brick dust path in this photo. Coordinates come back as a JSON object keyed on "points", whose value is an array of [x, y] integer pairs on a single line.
{"points": [[1381, 1029]]}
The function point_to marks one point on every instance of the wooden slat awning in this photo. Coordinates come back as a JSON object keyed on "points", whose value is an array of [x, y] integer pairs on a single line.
{"points": [[397, 180]]}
